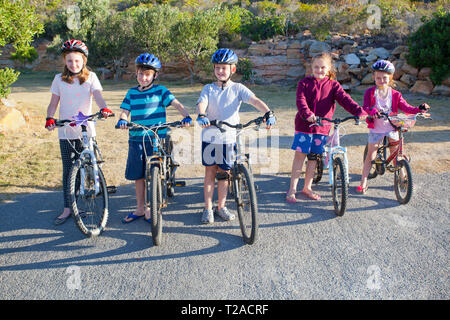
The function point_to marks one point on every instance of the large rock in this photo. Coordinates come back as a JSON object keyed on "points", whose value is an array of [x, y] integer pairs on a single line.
{"points": [[423, 87], [400, 49], [257, 49], [318, 47], [424, 74], [368, 79], [408, 79], [352, 59], [410, 69], [381, 53], [10, 119], [442, 90]]}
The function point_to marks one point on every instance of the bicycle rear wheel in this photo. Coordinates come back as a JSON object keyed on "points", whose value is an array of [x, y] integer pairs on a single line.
{"points": [[318, 172], [247, 207], [155, 196], [403, 182], [90, 209], [339, 189]]}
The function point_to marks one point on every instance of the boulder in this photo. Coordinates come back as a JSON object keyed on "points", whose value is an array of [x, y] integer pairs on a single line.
{"points": [[408, 79], [423, 87], [400, 86], [352, 59], [368, 79], [410, 69], [318, 47], [398, 50], [371, 58], [442, 90], [424, 74], [257, 49], [381, 53], [10, 119], [296, 72]]}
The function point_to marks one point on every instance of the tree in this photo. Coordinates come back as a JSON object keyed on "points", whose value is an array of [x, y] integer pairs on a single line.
{"points": [[19, 24], [195, 37]]}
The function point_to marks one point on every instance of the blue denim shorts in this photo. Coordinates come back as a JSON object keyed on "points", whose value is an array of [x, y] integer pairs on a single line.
{"points": [[135, 169], [222, 155], [309, 142]]}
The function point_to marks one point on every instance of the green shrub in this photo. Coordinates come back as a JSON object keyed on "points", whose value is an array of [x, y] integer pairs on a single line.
{"points": [[245, 68], [25, 55], [429, 46], [260, 28], [7, 77]]}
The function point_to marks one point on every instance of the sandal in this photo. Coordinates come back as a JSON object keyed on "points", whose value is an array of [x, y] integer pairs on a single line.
{"points": [[361, 190], [311, 195], [132, 217]]}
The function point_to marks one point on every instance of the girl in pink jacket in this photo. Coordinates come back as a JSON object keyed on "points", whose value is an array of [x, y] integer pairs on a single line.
{"points": [[382, 98], [316, 96]]}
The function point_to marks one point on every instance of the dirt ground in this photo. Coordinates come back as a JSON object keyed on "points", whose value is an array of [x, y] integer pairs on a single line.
{"points": [[30, 158]]}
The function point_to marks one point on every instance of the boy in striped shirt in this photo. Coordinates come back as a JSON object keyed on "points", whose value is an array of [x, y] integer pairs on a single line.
{"points": [[146, 105]]}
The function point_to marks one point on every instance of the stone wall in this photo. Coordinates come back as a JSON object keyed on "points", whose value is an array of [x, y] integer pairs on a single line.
{"points": [[288, 60]]}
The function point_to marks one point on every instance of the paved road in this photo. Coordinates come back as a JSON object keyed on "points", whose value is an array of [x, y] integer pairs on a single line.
{"points": [[377, 250]]}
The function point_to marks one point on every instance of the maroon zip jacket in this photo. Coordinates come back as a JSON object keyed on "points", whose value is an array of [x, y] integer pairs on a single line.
{"points": [[319, 97]]}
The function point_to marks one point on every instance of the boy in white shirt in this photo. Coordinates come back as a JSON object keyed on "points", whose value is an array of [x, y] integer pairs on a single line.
{"points": [[221, 100]]}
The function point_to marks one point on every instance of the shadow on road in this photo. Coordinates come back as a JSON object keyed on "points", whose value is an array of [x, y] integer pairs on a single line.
{"points": [[27, 226]]}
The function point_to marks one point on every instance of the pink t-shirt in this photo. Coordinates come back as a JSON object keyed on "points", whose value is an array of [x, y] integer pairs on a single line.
{"points": [[74, 98], [383, 105]]}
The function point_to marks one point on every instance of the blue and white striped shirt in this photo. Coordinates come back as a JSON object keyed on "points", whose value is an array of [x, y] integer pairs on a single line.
{"points": [[147, 108]]}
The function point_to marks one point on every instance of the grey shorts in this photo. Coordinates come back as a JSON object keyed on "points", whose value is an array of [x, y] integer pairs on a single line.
{"points": [[375, 137]]}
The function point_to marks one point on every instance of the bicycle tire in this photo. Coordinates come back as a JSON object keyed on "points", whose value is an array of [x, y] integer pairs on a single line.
{"points": [[318, 172], [90, 220], [401, 187], [339, 183], [155, 204], [373, 173], [246, 203]]}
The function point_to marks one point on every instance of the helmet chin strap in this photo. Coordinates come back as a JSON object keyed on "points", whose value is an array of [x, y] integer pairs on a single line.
{"points": [[225, 82], [150, 84]]}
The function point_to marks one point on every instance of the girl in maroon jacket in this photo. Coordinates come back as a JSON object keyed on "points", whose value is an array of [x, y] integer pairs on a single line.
{"points": [[316, 96], [382, 98]]}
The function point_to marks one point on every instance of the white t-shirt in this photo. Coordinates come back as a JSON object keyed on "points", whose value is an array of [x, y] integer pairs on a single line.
{"points": [[223, 104], [74, 98], [382, 125]]}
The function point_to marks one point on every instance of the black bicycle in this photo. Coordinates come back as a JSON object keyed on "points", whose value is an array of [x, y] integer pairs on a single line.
{"points": [[159, 173], [242, 186], [87, 184]]}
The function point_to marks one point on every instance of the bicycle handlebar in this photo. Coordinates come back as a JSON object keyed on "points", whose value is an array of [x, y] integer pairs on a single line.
{"points": [[219, 123], [154, 127], [92, 117], [335, 121]]}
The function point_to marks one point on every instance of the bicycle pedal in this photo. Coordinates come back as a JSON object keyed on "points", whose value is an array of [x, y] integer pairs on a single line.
{"points": [[111, 189], [180, 183]]}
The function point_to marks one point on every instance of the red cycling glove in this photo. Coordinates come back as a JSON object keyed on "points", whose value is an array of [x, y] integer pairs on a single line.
{"points": [[49, 122]]}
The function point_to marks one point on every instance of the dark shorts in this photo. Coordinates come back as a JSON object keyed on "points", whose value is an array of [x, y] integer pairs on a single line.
{"points": [[222, 155], [309, 142], [135, 169]]}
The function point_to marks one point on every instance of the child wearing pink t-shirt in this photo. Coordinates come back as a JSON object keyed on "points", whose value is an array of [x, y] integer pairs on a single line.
{"points": [[73, 91]]}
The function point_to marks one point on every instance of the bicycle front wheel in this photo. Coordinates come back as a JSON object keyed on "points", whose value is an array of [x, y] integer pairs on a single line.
{"points": [[403, 182], [247, 207], [90, 208], [339, 188], [155, 191]]}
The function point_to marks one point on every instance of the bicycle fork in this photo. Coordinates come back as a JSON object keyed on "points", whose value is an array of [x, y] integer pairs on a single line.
{"points": [[329, 162], [88, 152]]}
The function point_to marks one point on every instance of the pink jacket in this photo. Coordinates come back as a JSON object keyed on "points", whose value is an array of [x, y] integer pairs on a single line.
{"points": [[397, 103], [319, 97]]}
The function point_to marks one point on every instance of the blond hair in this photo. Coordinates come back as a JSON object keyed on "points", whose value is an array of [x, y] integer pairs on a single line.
{"points": [[68, 76], [329, 60]]}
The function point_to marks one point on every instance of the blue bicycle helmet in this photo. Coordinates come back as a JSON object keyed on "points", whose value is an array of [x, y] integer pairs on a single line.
{"points": [[148, 60], [384, 65], [224, 56]]}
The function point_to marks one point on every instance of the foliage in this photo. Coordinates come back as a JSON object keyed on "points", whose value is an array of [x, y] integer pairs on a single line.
{"points": [[260, 28], [25, 55], [7, 77], [429, 46], [195, 37], [18, 26], [245, 68]]}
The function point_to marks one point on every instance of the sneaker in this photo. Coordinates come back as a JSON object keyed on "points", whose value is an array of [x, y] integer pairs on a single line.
{"points": [[207, 216], [225, 214]]}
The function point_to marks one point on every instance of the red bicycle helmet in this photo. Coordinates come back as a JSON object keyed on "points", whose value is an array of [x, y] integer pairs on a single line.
{"points": [[75, 45]]}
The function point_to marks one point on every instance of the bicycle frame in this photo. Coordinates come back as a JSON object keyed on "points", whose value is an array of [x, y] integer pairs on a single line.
{"points": [[333, 148]]}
